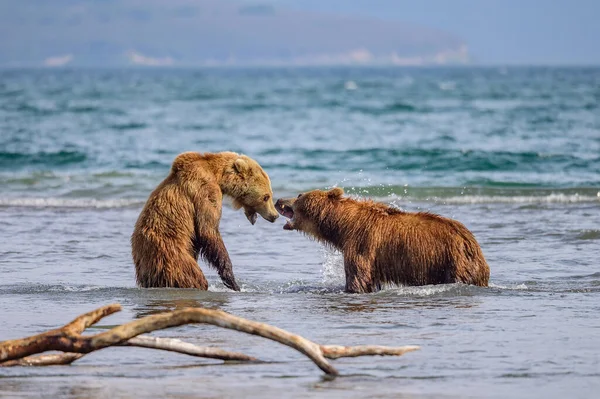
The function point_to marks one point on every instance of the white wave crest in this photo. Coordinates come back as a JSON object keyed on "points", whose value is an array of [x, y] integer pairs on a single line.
{"points": [[72, 288], [68, 203], [498, 199], [551, 198], [517, 287]]}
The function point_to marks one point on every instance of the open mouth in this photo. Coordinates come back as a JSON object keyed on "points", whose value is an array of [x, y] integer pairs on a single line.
{"points": [[287, 212]]}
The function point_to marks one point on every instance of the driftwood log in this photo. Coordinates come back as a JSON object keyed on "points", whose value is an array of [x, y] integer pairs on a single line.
{"points": [[68, 339]]}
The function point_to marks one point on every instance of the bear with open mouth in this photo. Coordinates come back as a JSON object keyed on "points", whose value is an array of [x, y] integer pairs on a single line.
{"points": [[382, 244], [180, 221]]}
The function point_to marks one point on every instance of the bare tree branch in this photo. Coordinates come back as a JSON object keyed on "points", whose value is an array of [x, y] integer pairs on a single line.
{"points": [[86, 320], [44, 360], [57, 339], [336, 351], [176, 345], [142, 341], [69, 338]]}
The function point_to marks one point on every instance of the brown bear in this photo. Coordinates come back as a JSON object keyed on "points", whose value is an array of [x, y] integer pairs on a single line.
{"points": [[382, 244], [180, 220]]}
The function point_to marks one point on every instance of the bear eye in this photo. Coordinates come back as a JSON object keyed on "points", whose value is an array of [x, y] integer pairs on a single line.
{"points": [[266, 197]]}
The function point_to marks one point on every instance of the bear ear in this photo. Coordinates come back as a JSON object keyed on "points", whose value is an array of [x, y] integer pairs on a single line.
{"points": [[335, 193], [241, 166]]}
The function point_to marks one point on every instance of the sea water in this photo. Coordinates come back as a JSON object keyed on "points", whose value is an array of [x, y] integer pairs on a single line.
{"points": [[513, 153]]}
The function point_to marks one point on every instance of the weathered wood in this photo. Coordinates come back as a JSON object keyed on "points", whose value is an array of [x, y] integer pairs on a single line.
{"points": [[69, 339], [65, 339], [178, 346], [336, 351], [44, 360]]}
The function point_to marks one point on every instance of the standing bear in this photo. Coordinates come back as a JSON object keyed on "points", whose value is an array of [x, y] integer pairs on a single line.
{"points": [[382, 244], [180, 220]]}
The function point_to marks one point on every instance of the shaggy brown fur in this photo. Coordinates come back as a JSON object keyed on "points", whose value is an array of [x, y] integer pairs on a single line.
{"points": [[383, 244], [180, 220]]}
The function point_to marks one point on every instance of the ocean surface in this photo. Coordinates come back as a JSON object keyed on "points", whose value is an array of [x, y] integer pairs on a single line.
{"points": [[513, 153]]}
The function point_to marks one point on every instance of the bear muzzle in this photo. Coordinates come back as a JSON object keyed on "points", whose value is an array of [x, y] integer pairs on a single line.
{"points": [[272, 218], [270, 214], [285, 207]]}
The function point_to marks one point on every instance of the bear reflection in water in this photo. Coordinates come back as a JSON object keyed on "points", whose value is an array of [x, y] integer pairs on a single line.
{"points": [[382, 244]]}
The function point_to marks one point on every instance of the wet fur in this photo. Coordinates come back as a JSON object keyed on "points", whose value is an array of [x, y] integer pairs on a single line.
{"points": [[382, 244], [180, 220]]}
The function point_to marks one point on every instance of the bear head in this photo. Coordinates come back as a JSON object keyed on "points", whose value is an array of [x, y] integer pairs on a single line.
{"points": [[250, 188], [310, 212]]}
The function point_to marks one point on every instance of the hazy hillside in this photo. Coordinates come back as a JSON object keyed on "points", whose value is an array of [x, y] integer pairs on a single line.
{"points": [[207, 32]]}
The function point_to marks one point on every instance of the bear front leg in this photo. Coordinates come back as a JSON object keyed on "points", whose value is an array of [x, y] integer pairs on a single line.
{"points": [[213, 250], [358, 274], [208, 238]]}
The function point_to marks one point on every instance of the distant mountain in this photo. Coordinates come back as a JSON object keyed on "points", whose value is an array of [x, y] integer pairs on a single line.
{"points": [[208, 32]]}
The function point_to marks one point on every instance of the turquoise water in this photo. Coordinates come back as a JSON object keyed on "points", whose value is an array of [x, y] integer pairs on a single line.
{"points": [[514, 153]]}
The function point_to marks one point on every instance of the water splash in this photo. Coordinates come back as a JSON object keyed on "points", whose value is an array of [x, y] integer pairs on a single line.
{"points": [[333, 267]]}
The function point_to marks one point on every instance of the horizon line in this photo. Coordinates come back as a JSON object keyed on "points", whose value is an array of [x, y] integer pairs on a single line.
{"points": [[291, 66]]}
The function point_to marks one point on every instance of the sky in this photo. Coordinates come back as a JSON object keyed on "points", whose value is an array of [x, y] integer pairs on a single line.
{"points": [[194, 32], [210, 32], [496, 31]]}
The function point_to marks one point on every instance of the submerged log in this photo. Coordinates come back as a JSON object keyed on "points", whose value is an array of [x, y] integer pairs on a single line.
{"points": [[69, 340], [44, 360]]}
